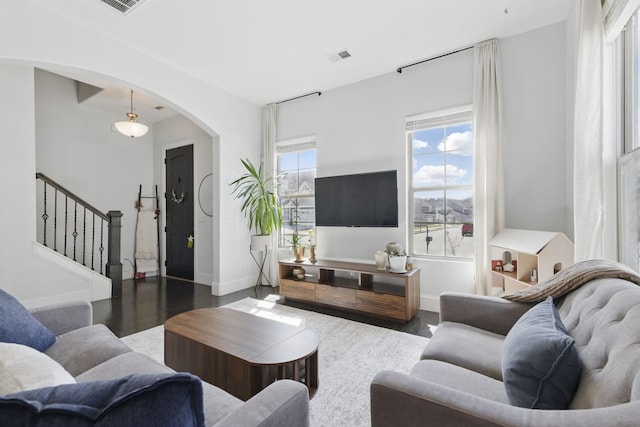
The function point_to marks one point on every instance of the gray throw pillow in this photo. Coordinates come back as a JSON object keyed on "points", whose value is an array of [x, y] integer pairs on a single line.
{"points": [[18, 326], [150, 400], [540, 364]]}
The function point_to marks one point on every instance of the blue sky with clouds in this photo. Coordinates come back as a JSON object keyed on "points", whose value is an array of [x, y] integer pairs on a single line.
{"points": [[443, 156]]}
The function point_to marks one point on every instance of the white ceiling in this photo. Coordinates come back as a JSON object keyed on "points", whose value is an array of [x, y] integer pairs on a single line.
{"points": [[266, 51]]}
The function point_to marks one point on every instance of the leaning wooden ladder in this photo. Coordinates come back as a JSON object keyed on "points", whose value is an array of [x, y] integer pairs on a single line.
{"points": [[139, 206]]}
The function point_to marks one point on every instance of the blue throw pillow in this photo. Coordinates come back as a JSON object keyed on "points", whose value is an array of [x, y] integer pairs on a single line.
{"points": [[540, 364], [135, 400], [18, 326]]}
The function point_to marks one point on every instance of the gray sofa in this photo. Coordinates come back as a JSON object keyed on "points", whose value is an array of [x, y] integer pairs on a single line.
{"points": [[458, 381], [92, 352]]}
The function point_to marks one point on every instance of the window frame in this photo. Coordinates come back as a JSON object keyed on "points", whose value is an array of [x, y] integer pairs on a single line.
{"points": [[290, 146], [436, 119]]}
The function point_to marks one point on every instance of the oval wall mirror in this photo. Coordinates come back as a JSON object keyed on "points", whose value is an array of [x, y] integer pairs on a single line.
{"points": [[205, 195]]}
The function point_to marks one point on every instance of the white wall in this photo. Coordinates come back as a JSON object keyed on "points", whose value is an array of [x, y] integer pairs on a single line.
{"points": [[360, 128], [23, 271], [535, 89], [40, 37], [76, 147], [177, 132]]}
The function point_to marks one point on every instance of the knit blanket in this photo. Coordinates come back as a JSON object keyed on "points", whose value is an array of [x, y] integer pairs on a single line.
{"points": [[572, 278]]}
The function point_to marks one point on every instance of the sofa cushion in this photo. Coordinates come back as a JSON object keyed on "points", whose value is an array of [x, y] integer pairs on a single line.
{"points": [[82, 349], [121, 365], [25, 368], [460, 379], [18, 326], [486, 357], [603, 317], [136, 400], [540, 364]]}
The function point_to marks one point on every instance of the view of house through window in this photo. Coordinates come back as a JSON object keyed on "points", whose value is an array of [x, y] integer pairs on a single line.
{"points": [[296, 162], [441, 189]]}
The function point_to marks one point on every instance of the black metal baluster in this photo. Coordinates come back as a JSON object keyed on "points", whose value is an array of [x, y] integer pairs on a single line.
{"points": [[101, 249], [66, 223], [45, 217], [84, 237], [93, 240], [55, 221], [75, 229]]}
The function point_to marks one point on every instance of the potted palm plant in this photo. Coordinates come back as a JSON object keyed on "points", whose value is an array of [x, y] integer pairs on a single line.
{"points": [[260, 205]]}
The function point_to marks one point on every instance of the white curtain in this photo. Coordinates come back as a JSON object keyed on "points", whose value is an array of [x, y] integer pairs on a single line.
{"points": [[489, 175], [269, 128], [588, 170]]}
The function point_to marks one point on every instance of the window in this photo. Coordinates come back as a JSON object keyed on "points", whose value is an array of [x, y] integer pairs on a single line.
{"points": [[296, 162], [629, 161], [441, 188]]}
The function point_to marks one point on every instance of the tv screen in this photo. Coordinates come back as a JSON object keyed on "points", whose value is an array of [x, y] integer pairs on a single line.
{"points": [[360, 200]]}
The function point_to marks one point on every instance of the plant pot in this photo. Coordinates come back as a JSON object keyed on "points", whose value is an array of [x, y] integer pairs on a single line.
{"points": [[398, 264], [298, 253], [260, 242]]}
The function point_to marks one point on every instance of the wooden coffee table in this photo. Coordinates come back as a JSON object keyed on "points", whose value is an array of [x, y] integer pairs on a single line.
{"points": [[240, 352]]}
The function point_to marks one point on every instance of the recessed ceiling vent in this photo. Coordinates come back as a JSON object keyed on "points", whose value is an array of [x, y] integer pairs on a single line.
{"points": [[338, 56], [123, 6]]}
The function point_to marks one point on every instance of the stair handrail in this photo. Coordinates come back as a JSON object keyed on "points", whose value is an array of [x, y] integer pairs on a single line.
{"points": [[113, 218], [71, 195]]}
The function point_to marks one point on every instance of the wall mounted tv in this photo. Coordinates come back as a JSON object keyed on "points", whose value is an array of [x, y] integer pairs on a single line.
{"points": [[360, 200]]}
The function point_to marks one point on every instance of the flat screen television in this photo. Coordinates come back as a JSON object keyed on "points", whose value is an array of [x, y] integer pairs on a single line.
{"points": [[359, 200]]}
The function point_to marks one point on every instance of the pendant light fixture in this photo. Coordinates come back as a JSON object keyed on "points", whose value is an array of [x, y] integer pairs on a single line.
{"points": [[131, 127]]}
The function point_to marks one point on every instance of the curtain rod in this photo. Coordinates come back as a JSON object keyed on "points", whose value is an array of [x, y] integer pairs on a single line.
{"points": [[399, 70], [301, 96]]}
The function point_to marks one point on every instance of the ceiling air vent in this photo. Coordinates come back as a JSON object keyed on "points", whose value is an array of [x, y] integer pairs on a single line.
{"points": [[338, 56], [123, 6]]}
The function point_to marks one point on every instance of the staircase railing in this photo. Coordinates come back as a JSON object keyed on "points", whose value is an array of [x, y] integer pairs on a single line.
{"points": [[76, 229]]}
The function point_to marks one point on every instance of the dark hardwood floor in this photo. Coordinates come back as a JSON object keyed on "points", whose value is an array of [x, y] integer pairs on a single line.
{"points": [[149, 302]]}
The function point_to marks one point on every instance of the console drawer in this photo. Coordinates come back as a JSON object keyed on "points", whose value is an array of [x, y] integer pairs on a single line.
{"points": [[335, 295], [300, 290], [392, 306]]}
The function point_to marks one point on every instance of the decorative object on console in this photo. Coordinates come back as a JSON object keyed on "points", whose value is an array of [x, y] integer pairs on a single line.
{"points": [[398, 263], [397, 258], [298, 273], [394, 247], [381, 260]]}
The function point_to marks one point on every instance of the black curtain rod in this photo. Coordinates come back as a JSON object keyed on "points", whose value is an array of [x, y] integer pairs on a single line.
{"points": [[301, 96], [399, 70]]}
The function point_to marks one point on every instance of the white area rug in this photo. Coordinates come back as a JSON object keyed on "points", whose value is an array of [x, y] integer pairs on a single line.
{"points": [[349, 356]]}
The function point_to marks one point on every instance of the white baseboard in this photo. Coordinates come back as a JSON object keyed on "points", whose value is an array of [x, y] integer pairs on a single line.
{"points": [[430, 303], [221, 289], [83, 295]]}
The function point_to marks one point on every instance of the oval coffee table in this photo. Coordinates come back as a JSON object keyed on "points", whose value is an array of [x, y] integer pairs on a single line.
{"points": [[240, 352]]}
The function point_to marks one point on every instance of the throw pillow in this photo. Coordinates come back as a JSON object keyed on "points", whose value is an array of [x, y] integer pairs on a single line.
{"points": [[540, 364], [25, 368], [136, 400], [18, 326]]}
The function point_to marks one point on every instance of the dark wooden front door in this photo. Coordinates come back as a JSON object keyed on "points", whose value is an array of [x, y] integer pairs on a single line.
{"points": [[179, 208]]}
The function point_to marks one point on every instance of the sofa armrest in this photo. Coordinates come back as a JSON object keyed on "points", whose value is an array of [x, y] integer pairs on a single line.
{"points": [[488, 313], [284, 403], [400, 399], [64, 317]]}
